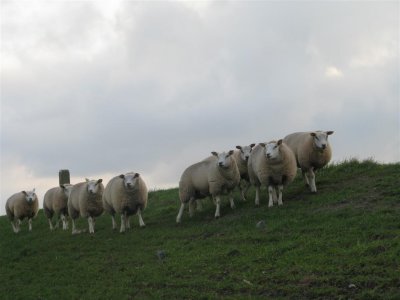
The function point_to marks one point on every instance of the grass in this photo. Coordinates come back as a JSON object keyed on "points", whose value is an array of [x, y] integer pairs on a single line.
{"points": [[341, 243]]}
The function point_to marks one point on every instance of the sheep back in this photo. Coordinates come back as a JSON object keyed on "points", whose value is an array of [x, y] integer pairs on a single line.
{"points": [[194, 181], [18, 208], [55, 201], [306, 154], [205, 178]]}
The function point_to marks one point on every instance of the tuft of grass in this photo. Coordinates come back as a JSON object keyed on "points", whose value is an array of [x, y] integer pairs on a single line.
{"points": [[340, 243]]}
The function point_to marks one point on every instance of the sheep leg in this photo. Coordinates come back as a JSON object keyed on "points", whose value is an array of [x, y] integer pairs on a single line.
{"points": [[218, 204], [280, 189], [64, 221], [274, 195], [15, 226], [91, 225], [74, 230], [304, 174], [257, 200], [141, 223], [128, 223], [271, 192], [244, 191], [199, 205], [231, 200], [179, 216], [114, 224], [51, 225], [30, 224], [311, 179], [192, 203], [123, 222]]}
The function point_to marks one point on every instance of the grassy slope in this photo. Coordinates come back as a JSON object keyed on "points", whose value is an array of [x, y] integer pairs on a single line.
{"points": [[315, 246]]}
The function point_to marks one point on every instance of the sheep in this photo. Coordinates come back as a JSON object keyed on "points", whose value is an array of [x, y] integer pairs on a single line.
{"points": [[20, 206], [212, 177], [125, 195], [242, 157], [55, 202], [272, 164], [85, 200], [312, 152]]}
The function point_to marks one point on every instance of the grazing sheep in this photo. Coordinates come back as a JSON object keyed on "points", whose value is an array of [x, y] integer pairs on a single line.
{"points": [[214, 176], [242, 157], [20, 206], [272, 164], [55, 202], [125, 195], [312, 152], [85, 200]]}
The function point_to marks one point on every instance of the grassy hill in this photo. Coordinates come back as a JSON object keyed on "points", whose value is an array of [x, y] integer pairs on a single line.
{"points": [[343, 242]]}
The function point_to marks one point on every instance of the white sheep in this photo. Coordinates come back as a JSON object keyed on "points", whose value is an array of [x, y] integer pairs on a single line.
{"points": [[125, 195], [271, 164], [20, 206], [214, 176], [55, 203], [312, 152], [242, 157], [85, 200]]}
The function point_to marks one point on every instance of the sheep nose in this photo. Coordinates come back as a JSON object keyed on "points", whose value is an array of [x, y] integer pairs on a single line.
{"points": [[323, 146], [247, 157], [220, 164], [269, 155], [129, 184]]}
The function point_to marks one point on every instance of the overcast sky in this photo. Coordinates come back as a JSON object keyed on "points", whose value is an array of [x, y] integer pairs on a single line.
{"points": [[103, 88]]}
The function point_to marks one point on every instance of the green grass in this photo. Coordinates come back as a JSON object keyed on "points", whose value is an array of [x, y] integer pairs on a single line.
{"points": [[314, 246]]}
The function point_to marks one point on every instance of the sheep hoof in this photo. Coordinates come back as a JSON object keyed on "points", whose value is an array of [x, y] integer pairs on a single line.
{"points": [[216, 217], [143, 226]]}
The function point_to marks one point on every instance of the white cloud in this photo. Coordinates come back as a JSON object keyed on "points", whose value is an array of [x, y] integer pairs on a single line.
{"points": [[333, 72]]}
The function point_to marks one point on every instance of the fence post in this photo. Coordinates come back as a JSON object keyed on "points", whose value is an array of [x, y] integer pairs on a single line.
{"points": [[63, 177]]}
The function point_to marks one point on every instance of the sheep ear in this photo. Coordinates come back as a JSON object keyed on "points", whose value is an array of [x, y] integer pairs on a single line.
{"points": [[279, 142], [239, 147], [121, 176], [230, 152], [23, 192], [262, 144], [136, 175], [87, 180], [312, 134], [252, 145], [214, 153], [100, 181], [329, 132]]}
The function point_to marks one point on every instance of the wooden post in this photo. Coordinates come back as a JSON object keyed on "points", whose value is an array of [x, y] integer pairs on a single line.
{"points": [[63, 177]]}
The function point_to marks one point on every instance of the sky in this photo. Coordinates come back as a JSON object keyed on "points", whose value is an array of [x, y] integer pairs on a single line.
{"points": [[107, 87]]}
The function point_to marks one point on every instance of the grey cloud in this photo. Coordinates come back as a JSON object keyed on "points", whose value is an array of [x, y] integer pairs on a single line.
{"points": [[168, 85]]}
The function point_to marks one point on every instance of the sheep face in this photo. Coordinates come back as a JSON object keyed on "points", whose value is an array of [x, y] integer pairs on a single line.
{"points": [[93, 186], [245, 151], [321, 139], [223, 158], [30, 196], [66, 189], [271, 149], [130, 180]]}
